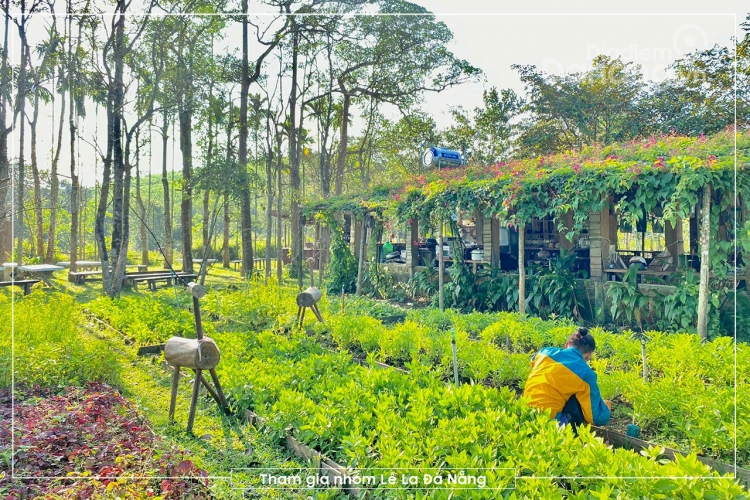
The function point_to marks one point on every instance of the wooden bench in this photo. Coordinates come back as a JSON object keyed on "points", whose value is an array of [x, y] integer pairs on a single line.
{"points": [[81, 276], [152, 278], [26, 284], [235, 263]]}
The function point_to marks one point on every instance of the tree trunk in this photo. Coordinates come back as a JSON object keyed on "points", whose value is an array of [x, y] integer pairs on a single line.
{"points": [[343, 144], [245, 214], [703, 291], [186, 207], [521, 269], [279, 197], [225, 245], [269, 208], [38, 218], [294, 165], [142, 214], [4, 161], [362, 255], [73, 177], [206, 223], [55, 187], [168, 245], [21, 145], [121, 177]]}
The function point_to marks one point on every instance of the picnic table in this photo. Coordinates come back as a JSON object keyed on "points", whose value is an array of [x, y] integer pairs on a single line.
{"points": [[44, 271], [132, 279], [208, 261]]}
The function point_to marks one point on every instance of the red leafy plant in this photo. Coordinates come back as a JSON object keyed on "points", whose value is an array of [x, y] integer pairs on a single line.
{"points": [[88, 443]]}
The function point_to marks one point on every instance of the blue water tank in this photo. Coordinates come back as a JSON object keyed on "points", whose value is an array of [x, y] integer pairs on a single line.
{"points": [[442, 157]]}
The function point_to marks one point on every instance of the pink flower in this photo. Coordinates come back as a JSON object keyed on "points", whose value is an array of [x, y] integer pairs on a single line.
{"points": [[577, 168], [415, 243]]}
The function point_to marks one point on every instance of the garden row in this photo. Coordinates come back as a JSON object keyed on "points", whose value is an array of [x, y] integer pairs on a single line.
{"points": [[687, 402], [372, 419]]}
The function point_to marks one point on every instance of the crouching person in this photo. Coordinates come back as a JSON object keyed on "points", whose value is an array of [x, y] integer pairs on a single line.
{"points": [[562, 382]]}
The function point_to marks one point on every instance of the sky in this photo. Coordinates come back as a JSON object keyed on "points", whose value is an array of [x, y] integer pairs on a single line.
{"points": [[556, 37]]}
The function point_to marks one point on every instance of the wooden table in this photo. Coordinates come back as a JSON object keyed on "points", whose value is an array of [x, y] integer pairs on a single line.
{"points": [[44, 271], [200, 261]]}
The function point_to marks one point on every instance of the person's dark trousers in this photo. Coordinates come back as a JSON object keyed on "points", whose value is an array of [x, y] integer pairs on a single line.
{"points": [[574, 412]]}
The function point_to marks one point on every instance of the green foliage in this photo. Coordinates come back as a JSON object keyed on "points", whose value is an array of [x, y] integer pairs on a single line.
{"points": [[423, 283], [258, 307], [149, 319], [49, 349], [368, 417], [343, 266], [364, 306], [627, 300]]}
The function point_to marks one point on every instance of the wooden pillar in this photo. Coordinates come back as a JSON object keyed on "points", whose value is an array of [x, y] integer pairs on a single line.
{"points": [[612, 217], [521, 269], [705, 241], [487, 239], [441, 268], [494, 242], [412, 250], [479, 227], [357, 227], [362, 253], [596, 245], [673, 240]]}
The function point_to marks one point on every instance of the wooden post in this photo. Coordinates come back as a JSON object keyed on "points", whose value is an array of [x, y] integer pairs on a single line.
{"points": [[673, 242], [355, 242], [494, 242], [441, 267], [705, 263], [521, 269], [175, 384], [412, 256], [362, 255]]}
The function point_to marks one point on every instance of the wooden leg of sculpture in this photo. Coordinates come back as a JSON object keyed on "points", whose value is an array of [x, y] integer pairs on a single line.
{"points": [[175, 384], [194, 400], [223, 403], [210, 390], [317, 312]]}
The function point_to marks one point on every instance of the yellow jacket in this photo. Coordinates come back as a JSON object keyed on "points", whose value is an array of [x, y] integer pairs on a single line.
{"points": [[557, 375]]}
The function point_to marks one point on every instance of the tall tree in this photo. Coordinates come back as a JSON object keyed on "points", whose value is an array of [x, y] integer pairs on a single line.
{"points": [[5, 96], [39, 75], [602, 105], [394, 58], [116, 49]]}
